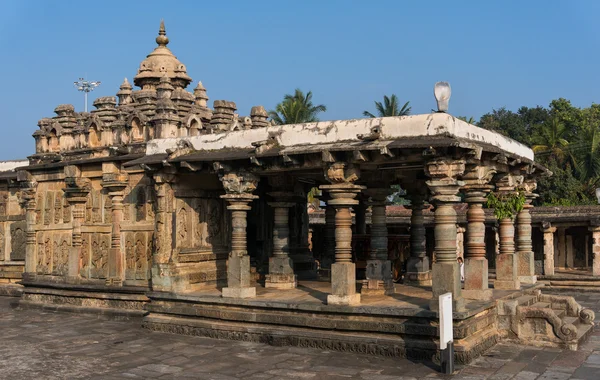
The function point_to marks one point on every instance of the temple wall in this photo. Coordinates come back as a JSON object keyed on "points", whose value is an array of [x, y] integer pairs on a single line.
{"points": [[12, 234]]}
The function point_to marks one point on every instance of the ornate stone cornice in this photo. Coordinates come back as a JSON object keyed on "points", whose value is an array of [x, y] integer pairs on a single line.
{"points": [[444, 183]]}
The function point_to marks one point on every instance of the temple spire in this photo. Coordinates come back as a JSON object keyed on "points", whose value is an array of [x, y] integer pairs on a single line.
{"points": [[162, 39]]}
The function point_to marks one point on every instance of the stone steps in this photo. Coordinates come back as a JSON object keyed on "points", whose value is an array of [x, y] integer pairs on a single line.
{"points": [[545, 320]]}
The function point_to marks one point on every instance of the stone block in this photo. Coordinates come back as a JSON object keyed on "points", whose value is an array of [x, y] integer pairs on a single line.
{"points": [[479, 294], [418, 278], [596, 263], [446, 278], [538, 266], [476, 274], [349, 300], [379, 270], [281, 265], [417, 264], [527, 279], [525, 264], [377, 287], [343, 279], [246, 292], [281, 281], [506, 272], [238, 271]]}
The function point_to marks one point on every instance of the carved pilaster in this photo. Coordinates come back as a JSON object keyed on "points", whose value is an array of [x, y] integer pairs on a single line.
{"points": [[444, 186], [239, 187], [379, 268], [526, 260], [507, 262], [343, 192], [76, 193], [477, 186], [115, 183], [28, 202]]}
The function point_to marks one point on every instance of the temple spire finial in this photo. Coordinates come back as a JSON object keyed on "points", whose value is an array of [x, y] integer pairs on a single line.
{"points": [[162, 39]]}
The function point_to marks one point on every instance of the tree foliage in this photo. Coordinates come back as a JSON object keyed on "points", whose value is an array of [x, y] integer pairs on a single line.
{"points": [[389, 107], [296, 108], [565, 139]]}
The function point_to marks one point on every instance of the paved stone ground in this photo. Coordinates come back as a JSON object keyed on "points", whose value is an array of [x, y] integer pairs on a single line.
{"points": [[43, 345]]}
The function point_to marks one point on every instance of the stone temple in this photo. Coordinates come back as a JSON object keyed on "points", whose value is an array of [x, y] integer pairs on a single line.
{"points": [[195, 220]]}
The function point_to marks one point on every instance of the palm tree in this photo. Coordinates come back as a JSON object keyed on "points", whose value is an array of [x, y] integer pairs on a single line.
{"points": [[470, 120], [389, 108], [297, 108], [550, 139], [585, 153]]}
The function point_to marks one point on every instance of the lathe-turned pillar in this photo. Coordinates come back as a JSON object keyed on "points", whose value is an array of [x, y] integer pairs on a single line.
{"points": [[526, 260], [281, 267], [343, 192], [379, 279], [444, 187], [417, 267], [239, 187], [476, 189], [507, 269]]}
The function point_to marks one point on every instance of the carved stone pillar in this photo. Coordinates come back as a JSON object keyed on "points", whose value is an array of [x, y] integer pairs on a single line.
{"points": [[239, 187], [526, 260], [417, 267], [476, 264], [444, 187], [595, 250], [281, 267], [507, 269], [28, 202], [343, 272], [115, 183], [548, 231], [76, 192], [379, 279], [476, 188], [163, 272]]}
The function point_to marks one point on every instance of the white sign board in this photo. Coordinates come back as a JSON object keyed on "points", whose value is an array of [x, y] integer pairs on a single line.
{"points": [[445, 320]]}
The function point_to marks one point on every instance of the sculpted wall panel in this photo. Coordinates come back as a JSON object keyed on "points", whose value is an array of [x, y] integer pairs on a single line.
{"points": [[17, 240], [85, 256], [200, 224], [138, 252], [2, 241]]}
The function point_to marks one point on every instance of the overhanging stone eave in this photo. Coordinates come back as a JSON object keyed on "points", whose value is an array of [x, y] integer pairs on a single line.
{"points": [[423, 128]]}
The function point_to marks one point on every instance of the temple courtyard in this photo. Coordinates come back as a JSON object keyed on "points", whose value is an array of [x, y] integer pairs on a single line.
{"points": [[44, 344]]}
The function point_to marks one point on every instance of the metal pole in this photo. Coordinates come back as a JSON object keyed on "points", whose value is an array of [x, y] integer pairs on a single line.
{"points": [[86, 86], [85, 101]]}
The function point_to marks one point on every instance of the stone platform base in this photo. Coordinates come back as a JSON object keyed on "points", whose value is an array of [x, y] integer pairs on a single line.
{"points": [[380, 330], [11, 290], [571, 282], [120, 303]]}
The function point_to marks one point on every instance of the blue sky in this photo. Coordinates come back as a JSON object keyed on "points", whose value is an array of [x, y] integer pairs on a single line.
{"points": [[349, 53]]}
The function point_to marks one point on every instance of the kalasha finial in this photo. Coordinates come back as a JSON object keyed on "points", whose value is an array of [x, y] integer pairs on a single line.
{"points": [[162, 39]]}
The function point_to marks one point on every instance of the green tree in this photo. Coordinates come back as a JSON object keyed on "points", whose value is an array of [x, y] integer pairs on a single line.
{"points": [[549, 139], [389, 107], [296, 108]]}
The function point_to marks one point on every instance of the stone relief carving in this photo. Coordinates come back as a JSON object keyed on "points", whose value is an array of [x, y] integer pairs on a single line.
{"points": [[141, 257], [40, 254], [57, 207], [38, 208], [129, 257], [3, 203], [214, 219], [2, 242], [182, 227], [140, 205], [49, 208], [66, 211], [18, 240], [47, 266], [85, 256]]}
